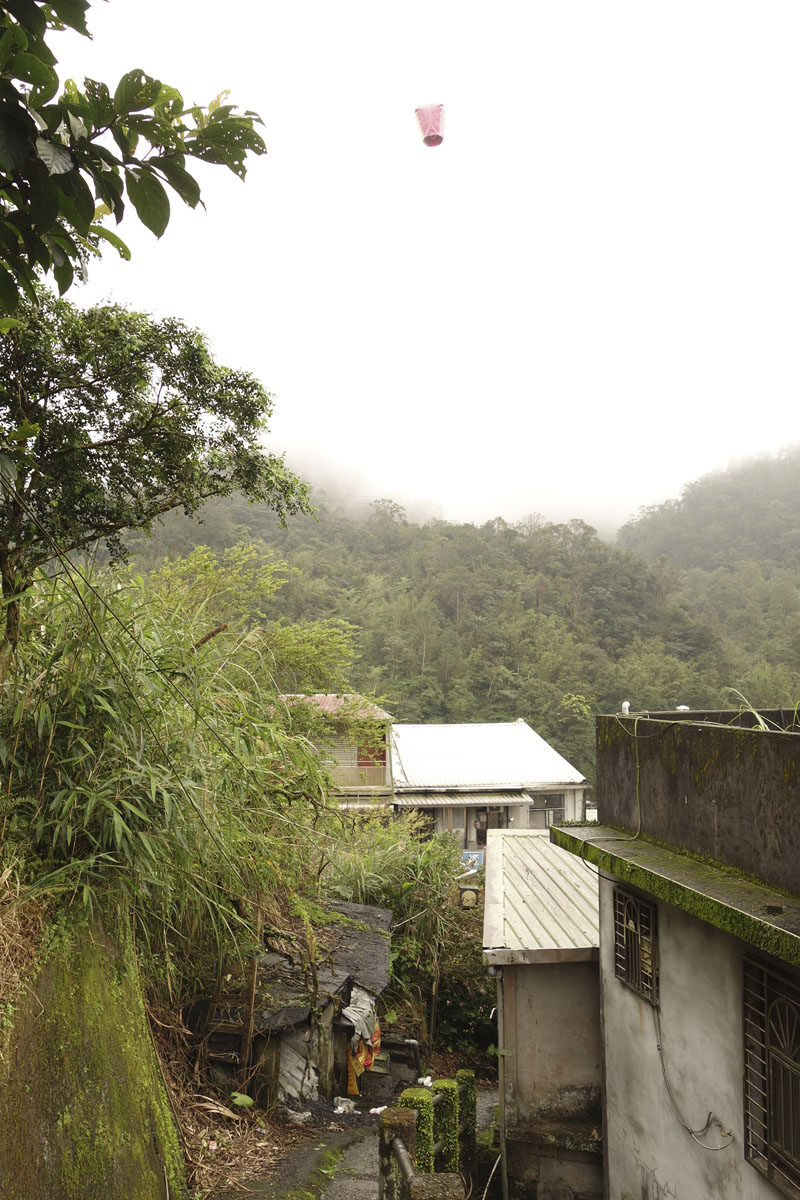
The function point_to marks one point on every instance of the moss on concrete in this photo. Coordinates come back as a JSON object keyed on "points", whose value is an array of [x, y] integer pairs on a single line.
{"points": [[467, 1103], [83, 1110], [421, 1100], [445, 1123], [468, 1124], [718, 896]]}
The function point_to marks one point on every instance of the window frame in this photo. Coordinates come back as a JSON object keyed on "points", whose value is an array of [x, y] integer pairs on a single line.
{"points": [[769, 1065], [636, 957]]}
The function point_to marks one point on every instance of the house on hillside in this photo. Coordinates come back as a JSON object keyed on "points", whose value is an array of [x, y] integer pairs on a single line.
{"points": [[698, 852], [540, 941], [468, 779], [354, 735]]}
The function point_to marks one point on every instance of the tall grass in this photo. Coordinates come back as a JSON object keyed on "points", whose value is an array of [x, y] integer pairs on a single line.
{"points": [[138, 761], [393, 864]]}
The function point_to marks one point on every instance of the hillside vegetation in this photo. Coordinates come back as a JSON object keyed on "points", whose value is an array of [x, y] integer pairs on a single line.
{"points": [[453, 622], [747, 514], [151, 775]]}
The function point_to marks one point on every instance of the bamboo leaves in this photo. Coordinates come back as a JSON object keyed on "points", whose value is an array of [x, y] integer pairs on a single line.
{"points": [[119, 781]]}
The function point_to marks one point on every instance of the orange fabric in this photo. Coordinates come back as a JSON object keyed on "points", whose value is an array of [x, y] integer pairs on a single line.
{"points": [[362, 1060]]}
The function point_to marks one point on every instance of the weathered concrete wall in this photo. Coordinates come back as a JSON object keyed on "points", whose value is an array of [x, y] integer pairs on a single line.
{"points": [[732, 794], [552, 1027], [83, 1111], [648, 1153], [559, 1175], [552, 1079]]}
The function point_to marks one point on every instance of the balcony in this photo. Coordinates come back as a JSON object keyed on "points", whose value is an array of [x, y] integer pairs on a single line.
{"points": [[351, 776]]}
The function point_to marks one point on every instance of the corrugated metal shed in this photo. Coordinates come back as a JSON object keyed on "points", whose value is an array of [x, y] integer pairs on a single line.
{"points": [[507, 755], [460, 799], [541, 903]]}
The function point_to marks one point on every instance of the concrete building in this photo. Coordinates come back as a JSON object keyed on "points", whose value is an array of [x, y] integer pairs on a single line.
{"points": [[469, 779], [540, 940], [698, 849]]}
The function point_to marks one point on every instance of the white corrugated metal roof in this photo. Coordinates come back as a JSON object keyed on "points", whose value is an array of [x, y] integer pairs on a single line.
{"points": [[460, 799], [508, 755], [541, 902]]}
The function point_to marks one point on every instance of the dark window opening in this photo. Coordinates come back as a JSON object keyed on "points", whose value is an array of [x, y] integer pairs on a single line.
{"points": [[635, 944]]}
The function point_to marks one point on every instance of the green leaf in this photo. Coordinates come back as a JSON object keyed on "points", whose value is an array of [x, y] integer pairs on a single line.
{"points": [[72, 13], [135, 91], [109, 189], [8, 471], [101, 105], [123, 140], [64, 275], [15, 142], [149, 199], [29, 15], [9, 323], [9, 296], [30, 68], [44, 200], [241, 1099], [9, 239], [82, 200], [59, 236], [147, 845], [57, 159], [169, 103], [26, 429], [109, 236], [77, 126], [12, 41], [179, 178]]}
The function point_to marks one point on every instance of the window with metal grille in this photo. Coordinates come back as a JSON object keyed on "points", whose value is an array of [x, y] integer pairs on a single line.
{"points": [[772, 1075], [635, 944]]}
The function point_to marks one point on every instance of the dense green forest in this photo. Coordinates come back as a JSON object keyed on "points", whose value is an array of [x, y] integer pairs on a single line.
{"points": [[453, 622]]}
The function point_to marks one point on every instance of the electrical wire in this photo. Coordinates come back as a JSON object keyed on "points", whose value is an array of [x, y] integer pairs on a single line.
{"points": [[711, 1119], [631, 837], [491, 1176]]}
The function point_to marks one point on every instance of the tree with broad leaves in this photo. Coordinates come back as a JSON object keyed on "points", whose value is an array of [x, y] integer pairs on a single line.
{"points": [[117, 418], [67, 160]]}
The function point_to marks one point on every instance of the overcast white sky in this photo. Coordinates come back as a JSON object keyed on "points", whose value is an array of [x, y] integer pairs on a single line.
{"points": [[587, 296]]}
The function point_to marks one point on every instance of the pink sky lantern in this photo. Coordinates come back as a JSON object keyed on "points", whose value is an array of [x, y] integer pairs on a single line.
{"points": [[431, 123]]}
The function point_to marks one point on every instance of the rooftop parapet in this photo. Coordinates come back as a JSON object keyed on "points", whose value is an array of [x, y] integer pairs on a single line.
{"points": [[719, 785]]}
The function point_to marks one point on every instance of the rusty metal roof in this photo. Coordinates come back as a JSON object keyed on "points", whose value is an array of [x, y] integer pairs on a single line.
{"points": [[504, 756], [348, 704], [541, 902]]}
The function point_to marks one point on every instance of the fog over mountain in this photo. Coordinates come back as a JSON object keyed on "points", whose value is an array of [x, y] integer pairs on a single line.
{"points": [[584, 298], [352, 491]]}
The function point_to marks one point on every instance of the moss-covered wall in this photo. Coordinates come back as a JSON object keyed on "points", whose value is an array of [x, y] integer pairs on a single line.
{"points": [[728, 793], [83, 1111]]}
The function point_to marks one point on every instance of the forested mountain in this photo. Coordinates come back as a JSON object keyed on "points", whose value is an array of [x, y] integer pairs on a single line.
{"points": [[750, 513], [543, 621]]}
